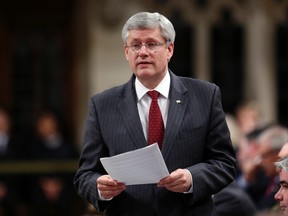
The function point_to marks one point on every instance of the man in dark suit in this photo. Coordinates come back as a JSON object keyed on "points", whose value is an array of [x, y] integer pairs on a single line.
{"points": [[282, 194], [196, 147], [233, 200]]}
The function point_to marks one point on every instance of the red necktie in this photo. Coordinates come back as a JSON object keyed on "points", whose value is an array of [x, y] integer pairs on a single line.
{"points": [[156, 126]]}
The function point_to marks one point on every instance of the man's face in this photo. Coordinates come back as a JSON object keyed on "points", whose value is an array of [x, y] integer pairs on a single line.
{"points": [[149, 66], [4, 123], [248, 157], [268, 159], [282, 195]]}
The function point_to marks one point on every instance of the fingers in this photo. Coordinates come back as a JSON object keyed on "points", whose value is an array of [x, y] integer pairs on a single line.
{"points": [[177, 181], [109, 194], [108, 187]]}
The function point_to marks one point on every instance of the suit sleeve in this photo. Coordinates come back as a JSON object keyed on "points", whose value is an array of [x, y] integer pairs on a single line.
{"points": [[90, 167], [218, 167]]}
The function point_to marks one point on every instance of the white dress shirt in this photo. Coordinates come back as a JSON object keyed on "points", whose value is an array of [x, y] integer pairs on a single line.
{"points": [[144, 101]]}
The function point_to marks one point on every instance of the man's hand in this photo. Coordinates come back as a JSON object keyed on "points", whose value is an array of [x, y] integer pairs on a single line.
{"points": [[178, 181], [108, 187]]}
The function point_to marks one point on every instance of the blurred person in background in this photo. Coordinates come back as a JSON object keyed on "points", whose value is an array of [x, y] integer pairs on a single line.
{"points": [[250, 176], [270, 143], [51, 141], [282, 168], [7, 195], [248, 116], [7, 141], [52, 191], [233, 199], [248, 155], [282, 194], [9, 150]]}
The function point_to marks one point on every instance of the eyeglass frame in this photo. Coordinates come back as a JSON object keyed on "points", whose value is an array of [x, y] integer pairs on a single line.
{"points": [[157, 46]]}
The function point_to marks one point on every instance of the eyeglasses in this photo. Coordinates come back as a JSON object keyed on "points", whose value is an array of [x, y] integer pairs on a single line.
{"points": [[153, 46]]}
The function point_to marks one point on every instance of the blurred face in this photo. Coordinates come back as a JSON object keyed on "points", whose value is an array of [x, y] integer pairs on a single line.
{"points": [[248, 119], [47, 126], [247, 150], [268, 159], [149, 66], [248, 158], [4, 122], [282, 195]]}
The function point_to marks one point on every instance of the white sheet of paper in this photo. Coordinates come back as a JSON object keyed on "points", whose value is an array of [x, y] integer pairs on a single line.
{"points": [[141, 166]]}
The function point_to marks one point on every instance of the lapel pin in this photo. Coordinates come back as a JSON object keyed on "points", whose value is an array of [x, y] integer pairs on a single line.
{"points": [[178, 102]]}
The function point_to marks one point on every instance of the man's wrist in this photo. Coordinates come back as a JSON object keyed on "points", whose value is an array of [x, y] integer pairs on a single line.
{"points": [[101, 198], [191, 182]]}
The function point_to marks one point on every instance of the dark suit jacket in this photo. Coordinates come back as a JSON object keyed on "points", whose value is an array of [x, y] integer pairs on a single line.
{"points": [[233, 200], [196, 138]]}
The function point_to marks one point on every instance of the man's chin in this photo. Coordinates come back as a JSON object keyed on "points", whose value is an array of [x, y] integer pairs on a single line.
{"points": [[145, 73]]}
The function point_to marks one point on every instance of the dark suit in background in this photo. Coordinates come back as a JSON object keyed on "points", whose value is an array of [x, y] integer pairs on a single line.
{"points": [[233, 200]]}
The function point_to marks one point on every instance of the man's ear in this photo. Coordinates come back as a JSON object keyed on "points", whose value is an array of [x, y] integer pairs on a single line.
{"points": [[170, 51], [126, 50]]}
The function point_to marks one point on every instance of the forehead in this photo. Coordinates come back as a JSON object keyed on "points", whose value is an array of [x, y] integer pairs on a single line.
{"points": [[284, 151], [144, 34], [283, 176]]}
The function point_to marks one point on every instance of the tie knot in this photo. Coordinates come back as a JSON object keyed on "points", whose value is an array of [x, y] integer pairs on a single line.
{"points": [[153, 94]]}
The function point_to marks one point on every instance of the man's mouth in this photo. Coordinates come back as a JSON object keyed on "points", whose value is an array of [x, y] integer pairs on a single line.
{"points": [[283, 207], [143, 64]]}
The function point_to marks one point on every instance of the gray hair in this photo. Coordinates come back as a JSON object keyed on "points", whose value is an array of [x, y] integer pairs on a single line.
{"points": [[276, 136], [282, 164], [146, 20]]}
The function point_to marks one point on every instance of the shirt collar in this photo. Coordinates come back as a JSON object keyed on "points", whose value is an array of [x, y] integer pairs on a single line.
{"points": [[162, 87]]}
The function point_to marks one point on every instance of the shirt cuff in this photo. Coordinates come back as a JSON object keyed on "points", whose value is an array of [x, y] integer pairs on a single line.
{"points": [[101, 198], [191, 180]]}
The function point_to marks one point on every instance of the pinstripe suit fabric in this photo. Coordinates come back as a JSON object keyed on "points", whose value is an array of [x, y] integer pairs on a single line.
{"points": [[196, 138]]}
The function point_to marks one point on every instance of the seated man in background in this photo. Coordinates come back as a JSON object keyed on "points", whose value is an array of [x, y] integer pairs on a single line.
{"points": [[51, 194], [251, 177], [270, 143], [7, 152], [282, 195]]}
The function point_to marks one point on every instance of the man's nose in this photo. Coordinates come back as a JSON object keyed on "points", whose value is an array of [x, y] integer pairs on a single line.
{"points": [[278, 196], [143, 49]]}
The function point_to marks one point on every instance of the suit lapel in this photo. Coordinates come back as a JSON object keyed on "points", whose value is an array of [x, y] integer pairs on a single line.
{"points": [[129, 112], [177, 107]]}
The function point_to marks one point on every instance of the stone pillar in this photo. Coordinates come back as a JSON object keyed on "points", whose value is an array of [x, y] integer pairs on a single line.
{"points": [[202, 48], [260, 72]]}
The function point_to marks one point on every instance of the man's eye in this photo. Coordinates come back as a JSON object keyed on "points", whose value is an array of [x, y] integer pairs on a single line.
{"points": [[136, 46], [152, 45]]}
